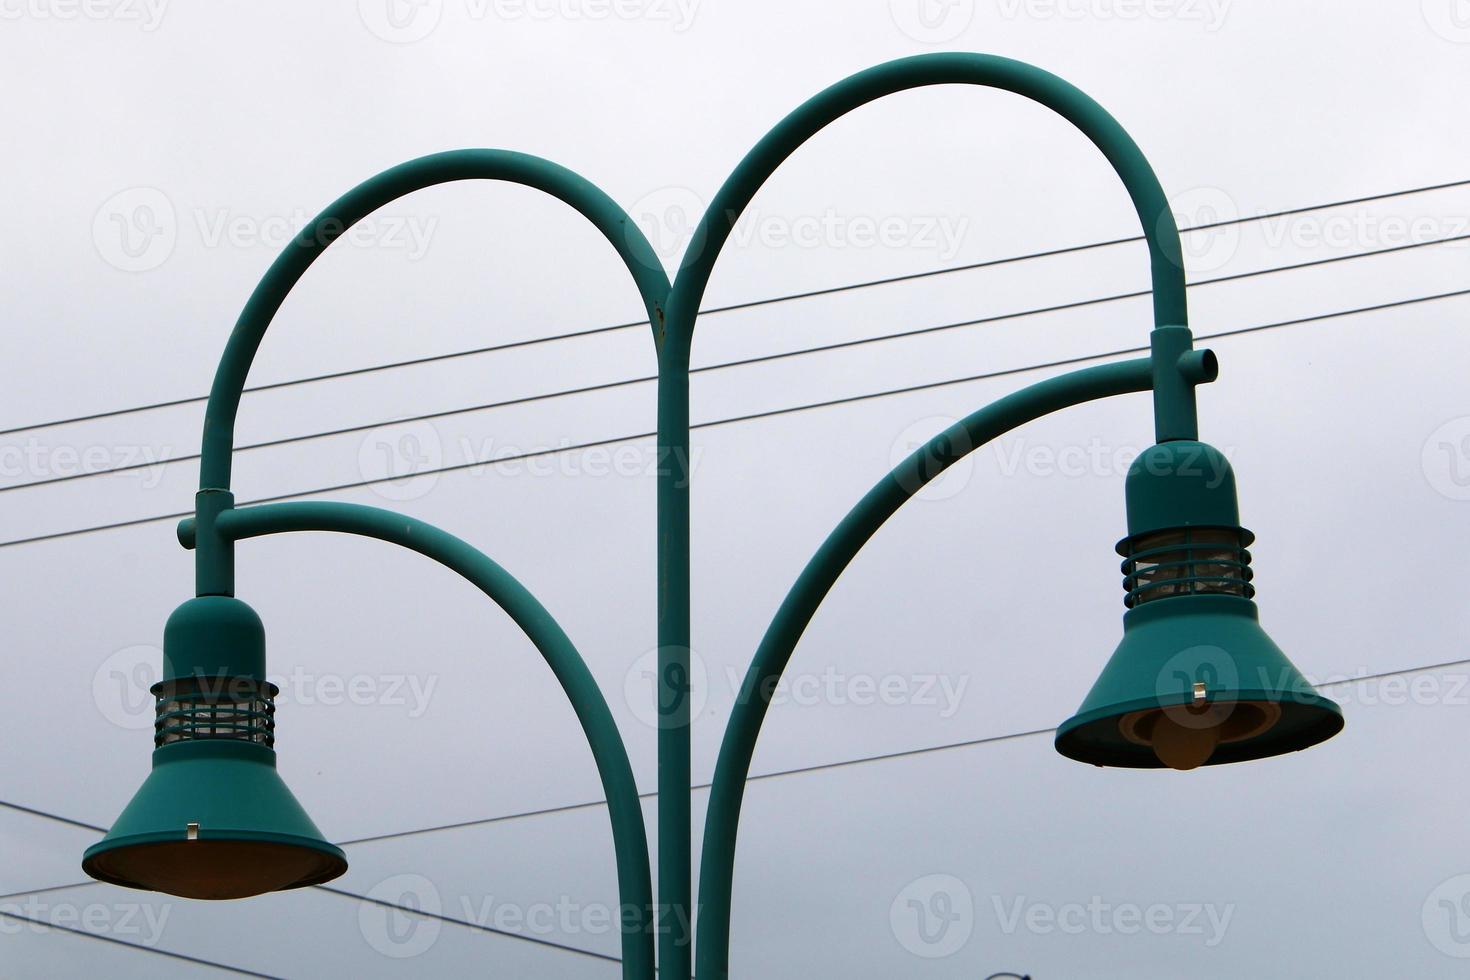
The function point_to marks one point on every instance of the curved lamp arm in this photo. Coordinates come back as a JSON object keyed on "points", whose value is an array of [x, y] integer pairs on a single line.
{"points": [[635, 887], [367, 197], [213, 560], [717, 862], [1159, 229]]}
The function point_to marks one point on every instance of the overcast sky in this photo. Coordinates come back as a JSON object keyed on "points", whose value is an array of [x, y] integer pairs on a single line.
{"points": [[159, 153]]}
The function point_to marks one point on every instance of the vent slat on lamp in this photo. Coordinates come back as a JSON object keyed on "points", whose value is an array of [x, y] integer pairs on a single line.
{"points": [[1186, 561], [239, 708]]}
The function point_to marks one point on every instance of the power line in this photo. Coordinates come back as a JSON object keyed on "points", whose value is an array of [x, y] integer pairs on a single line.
{"points": [[47, 890], [102, 937], [732, 307], [824, 766], [741, 362], [752, 416], [697, 787], [507, 933], [46, 815]]}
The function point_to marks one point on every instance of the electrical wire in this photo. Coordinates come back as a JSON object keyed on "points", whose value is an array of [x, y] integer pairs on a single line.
{"points": [[732, 307], [742, 362], [752, 416], [507, 933]]}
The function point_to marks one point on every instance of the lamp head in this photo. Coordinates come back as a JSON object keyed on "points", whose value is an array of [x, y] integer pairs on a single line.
{"points": [[214, 819], [1195, 681]]}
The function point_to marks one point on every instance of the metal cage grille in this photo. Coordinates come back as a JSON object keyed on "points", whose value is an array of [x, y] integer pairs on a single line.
{"points": [[239, 708], [1186, 561]]}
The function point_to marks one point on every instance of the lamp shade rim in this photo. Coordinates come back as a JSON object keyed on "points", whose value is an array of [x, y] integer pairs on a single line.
{"points": [[1308, 719], [166, 836], [94, 865], [1276, 696]]}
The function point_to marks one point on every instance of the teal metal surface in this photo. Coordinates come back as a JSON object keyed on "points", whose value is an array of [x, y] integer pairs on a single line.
{"points": [[1172, 645], [1175, 416], [213, 636], [214, 559], [227, 790], [1180, 484]]}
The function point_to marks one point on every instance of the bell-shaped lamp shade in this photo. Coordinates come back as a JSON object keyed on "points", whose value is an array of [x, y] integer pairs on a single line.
{"points": [[214, 819], [1196, 680]]}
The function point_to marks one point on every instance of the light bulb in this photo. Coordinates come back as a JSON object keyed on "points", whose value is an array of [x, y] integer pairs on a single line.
{"points": [[1187, 745]]}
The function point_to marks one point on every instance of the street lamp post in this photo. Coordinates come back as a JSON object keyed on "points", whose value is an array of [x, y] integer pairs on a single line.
{"points": [[1194, 682]]}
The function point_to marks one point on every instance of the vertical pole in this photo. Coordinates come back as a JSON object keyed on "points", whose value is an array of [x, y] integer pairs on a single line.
{"points": [[1175, 414], [214, 556], [675, 866]]}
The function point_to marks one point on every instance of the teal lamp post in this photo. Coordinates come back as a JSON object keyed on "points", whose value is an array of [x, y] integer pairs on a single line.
{"points": [[1194, 682]]}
